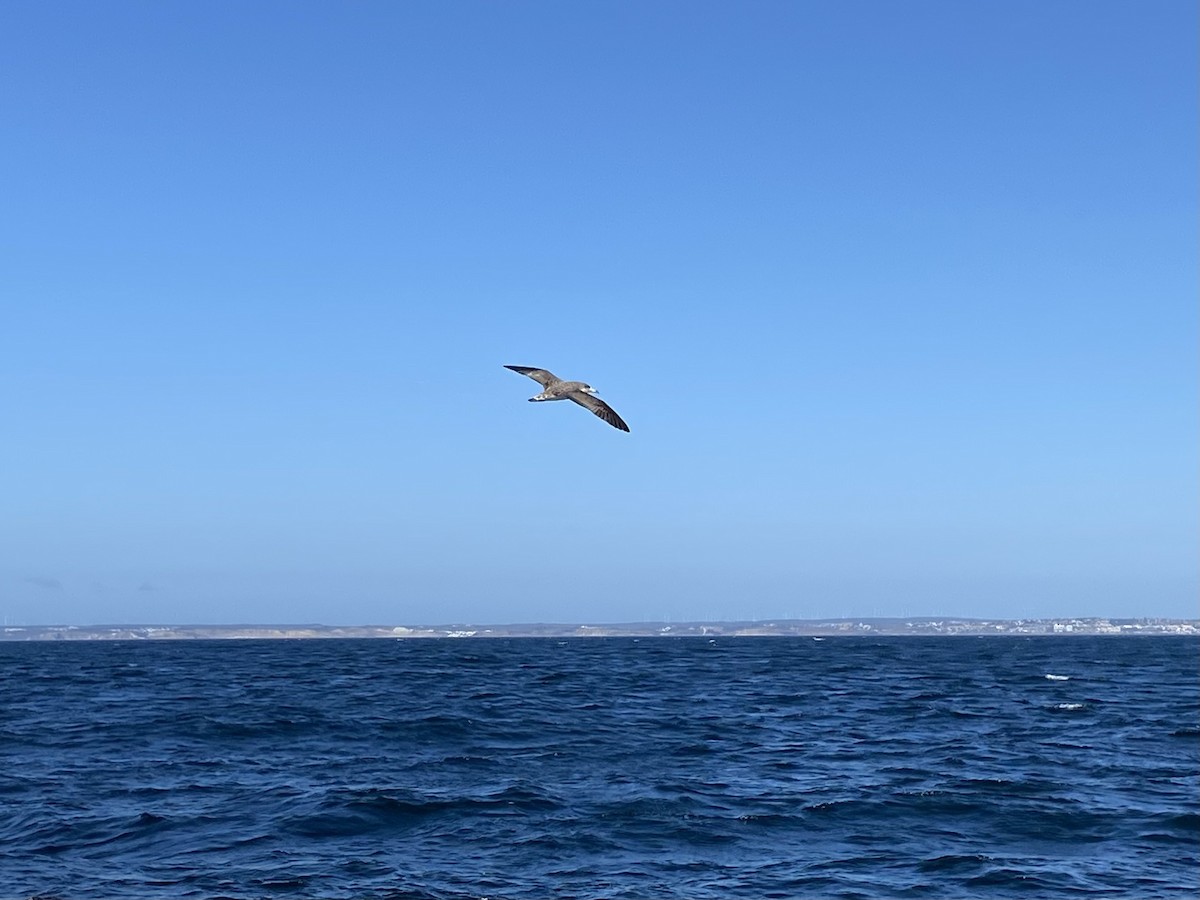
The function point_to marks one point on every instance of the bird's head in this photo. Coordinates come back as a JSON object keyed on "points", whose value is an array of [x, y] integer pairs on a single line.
{"points": [[588, 389]]}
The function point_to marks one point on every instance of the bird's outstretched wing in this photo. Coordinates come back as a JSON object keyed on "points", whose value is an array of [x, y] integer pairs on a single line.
{"points": [[541, 376], [599, 408]]}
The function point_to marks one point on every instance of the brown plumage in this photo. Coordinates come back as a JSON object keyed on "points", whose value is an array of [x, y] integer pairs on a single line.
{"points": [[578, 391]]}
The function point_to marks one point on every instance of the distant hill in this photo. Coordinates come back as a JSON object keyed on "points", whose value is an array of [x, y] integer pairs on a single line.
{"points": [[774, 627]]}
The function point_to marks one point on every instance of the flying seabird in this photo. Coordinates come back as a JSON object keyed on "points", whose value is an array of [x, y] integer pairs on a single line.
{"points": [[583, 394]]}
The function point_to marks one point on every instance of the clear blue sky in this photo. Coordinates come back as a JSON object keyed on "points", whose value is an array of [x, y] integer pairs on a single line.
{"points": [[898, 299]]}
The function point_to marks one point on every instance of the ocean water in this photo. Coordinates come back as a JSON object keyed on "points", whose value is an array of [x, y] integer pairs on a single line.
{"points": [[601, 768]]}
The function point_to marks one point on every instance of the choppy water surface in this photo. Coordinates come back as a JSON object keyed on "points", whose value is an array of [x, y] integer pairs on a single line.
{"points": [[601, 768]]}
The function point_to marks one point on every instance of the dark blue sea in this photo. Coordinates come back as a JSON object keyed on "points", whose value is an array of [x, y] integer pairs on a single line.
{"points": [[601, 768]]}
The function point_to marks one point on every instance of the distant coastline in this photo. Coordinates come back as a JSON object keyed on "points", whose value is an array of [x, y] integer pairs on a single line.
{"points": [[766, 628]]}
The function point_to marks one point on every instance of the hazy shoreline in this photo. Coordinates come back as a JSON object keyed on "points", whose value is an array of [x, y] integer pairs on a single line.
{"points": [[766, 628]]}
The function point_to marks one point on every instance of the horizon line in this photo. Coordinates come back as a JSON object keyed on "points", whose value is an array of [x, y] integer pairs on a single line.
{"points": [[627, 623]]}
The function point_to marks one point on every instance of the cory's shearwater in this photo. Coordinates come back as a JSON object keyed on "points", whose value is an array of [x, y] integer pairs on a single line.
{"points": [[581, 393]]}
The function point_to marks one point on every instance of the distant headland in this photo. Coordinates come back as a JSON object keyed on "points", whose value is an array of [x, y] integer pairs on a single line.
{"points": [[765, 628]]}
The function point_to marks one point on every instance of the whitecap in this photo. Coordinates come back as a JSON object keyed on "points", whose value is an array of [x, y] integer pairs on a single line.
{"points": [[1069, 706], [1058, 677]]}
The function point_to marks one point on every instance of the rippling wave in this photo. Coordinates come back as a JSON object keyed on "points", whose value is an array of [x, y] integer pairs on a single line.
{"points": [[601, 768]]}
